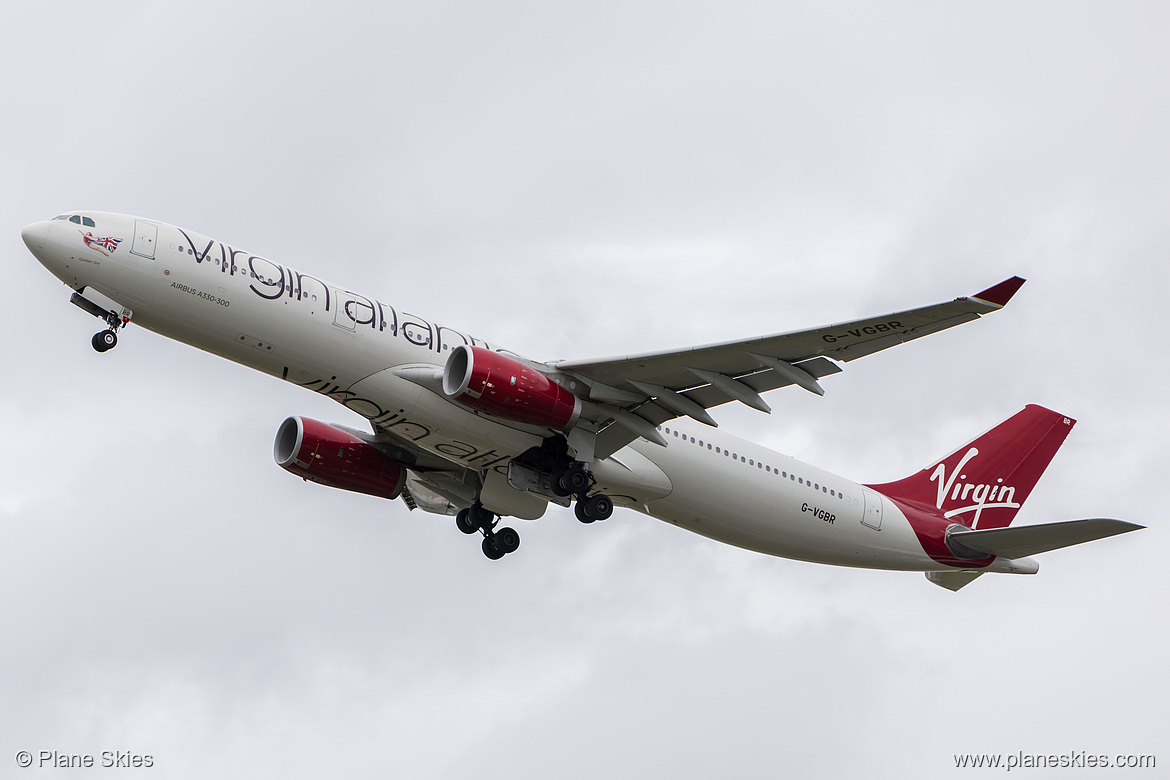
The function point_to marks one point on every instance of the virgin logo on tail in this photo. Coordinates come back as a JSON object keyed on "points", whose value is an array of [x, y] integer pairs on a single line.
{"points": [[984, 496]]}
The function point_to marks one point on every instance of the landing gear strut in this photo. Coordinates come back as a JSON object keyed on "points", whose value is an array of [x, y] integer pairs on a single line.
{"points": [[497, 542]]}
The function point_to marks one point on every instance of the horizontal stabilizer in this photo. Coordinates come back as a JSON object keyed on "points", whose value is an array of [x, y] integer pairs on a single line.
{"points": [[1022, 541]]}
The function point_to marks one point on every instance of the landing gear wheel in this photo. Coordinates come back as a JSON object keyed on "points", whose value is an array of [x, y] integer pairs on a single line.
{"points": [[599, 507], [464, 523], [593, 508], [507, 540], [574, 480], [106, 340], [491, 550], [582, 511]]}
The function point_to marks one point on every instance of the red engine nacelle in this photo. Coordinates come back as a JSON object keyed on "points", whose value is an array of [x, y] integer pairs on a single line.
{"points": [[500, 385], [330, 456]]}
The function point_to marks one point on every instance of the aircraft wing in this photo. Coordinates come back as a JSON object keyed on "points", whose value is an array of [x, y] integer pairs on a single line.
{"points": [[659, 386]]}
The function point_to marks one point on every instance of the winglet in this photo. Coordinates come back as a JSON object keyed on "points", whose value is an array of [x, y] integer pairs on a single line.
{"points": [[1001, 293]]}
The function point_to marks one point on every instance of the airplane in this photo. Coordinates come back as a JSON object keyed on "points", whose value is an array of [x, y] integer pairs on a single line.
{"points": [[461, 427]]}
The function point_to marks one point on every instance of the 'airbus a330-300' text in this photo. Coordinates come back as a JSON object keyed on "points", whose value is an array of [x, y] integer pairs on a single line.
{"points": [[461, 427]]}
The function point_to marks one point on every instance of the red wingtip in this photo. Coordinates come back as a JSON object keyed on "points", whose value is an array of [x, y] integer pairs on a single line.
{"points": [[1001, 293]]}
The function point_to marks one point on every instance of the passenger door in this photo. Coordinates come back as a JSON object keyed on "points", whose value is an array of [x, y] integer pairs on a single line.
{"points": [[145, 237], [873, 509]]}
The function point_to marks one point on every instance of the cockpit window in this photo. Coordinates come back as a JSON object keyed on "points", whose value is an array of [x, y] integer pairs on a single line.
{"points": [[87, 222], [76, 220], [63, 216]]}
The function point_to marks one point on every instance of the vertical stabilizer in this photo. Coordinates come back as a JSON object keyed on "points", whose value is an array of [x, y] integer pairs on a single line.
{"points": [[983, 484]]}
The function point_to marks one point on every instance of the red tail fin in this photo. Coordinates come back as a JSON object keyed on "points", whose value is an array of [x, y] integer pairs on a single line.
{"points": [[983, 484]]}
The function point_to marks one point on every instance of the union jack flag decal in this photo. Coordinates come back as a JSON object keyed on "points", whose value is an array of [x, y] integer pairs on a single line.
{"points": [[103, 245]]}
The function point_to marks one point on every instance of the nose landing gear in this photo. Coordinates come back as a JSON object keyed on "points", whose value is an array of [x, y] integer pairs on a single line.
{"points": [[105, 341], [103, 308]]}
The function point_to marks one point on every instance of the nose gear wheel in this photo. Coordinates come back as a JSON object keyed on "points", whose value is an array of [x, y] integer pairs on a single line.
{"points": [[107, 339], [104, 341]]}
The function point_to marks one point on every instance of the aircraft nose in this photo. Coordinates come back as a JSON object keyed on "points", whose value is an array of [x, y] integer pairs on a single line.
{"points": [[35, 235]]}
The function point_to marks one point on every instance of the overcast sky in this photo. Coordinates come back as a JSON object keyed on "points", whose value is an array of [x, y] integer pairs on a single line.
{"points": [[577, 180]]}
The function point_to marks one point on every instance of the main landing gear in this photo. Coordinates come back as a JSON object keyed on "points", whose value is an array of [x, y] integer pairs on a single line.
{"points": [[496, 542], [572, 480], [576, 481]]}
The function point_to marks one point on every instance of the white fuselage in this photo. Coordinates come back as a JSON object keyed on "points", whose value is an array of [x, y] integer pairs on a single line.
{"points": [[347, 346]]}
